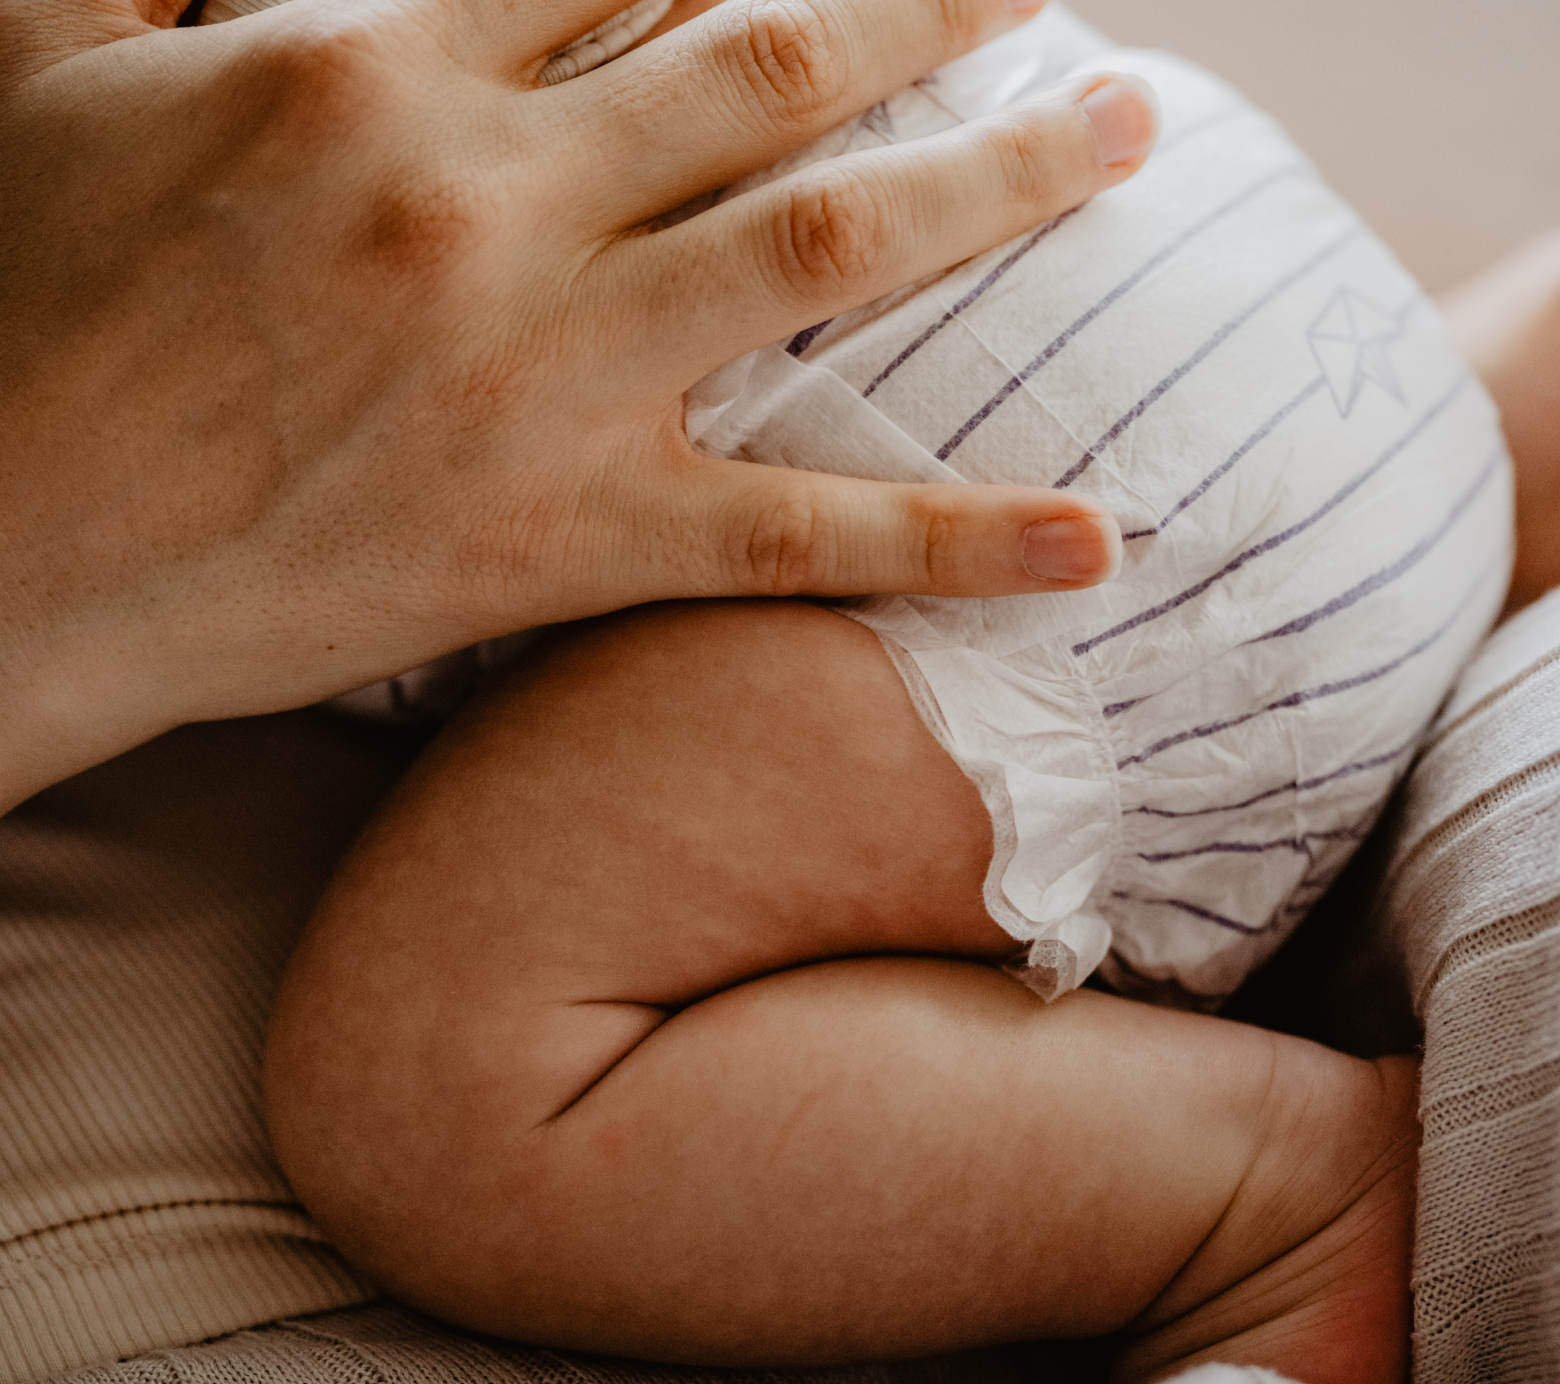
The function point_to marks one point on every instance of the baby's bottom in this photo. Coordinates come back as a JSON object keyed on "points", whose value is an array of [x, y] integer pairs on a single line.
{"points": [[653, 1017]]}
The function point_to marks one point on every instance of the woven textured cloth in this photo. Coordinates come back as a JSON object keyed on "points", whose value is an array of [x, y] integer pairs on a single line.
{"points": [[383, 1343], [386, 1344], [146, 910], [1471, 903]]}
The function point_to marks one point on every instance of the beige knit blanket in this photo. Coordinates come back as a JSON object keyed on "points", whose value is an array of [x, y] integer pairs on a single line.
{"points": [[1471, 904]]}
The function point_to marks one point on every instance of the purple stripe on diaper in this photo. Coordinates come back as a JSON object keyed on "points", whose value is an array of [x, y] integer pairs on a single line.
{"points": [[1269, 544], [969, 299], [1362, 766], [1114, 296], [1207, 914], [1317, 882], [1310, 694], [1261, 435], [802, 340], [1320, 881], [980, 289], [1388, 575], [1117, 708], [1299, 845], [1202, 353]]}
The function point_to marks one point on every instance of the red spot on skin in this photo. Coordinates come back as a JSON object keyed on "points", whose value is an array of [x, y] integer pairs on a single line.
{"points": [[610, 1143]]}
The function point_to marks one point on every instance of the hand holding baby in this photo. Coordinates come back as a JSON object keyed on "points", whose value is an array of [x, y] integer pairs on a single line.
{"points": [[336, 341]]}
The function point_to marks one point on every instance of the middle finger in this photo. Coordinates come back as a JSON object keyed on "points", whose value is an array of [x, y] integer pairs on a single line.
{"points": [[739, 87]]}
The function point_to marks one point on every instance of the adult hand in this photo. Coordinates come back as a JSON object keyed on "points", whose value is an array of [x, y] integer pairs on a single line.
{"points": [[1507, 322], [333, 341]]}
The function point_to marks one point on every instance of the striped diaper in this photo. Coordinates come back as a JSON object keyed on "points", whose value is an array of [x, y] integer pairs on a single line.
{"points": [[1314, 491]]}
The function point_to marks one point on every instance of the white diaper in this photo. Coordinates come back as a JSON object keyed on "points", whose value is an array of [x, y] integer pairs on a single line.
{"points": [[1315, 492], [1314, 489]]}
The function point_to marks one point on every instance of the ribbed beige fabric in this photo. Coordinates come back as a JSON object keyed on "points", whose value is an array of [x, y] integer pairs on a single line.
{"points": [[146, 910], [1473, 904], [386, 1344]]}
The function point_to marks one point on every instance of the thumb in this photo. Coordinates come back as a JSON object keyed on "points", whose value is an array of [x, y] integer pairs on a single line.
{"points": [[767, 531]]}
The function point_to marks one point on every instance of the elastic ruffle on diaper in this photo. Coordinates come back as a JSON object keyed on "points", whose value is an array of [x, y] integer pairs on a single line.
{"points": [[1315, 495]]}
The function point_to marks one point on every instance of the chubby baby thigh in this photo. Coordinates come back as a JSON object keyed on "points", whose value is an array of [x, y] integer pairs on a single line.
{"points": [[654, 807], [1313, 490]]}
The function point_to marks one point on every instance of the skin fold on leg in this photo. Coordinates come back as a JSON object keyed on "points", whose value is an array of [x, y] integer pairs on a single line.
{"points": [[655, 1015]]}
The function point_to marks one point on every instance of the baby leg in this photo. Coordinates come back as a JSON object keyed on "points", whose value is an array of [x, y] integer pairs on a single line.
{"points": [[653, 1016]]}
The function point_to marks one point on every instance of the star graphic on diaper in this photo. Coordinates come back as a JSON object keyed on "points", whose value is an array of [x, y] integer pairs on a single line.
{"points": [[1350, 342]]}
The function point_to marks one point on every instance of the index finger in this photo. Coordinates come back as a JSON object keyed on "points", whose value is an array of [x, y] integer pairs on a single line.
{"points": [[847, 230]]}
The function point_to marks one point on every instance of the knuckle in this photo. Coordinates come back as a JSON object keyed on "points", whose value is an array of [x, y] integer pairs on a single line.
{"points": [[779, 552], [426, 220], [1017, 144], [936, 541], [963, 24], [321, 69], [832, 238], [786, 58], [339, 85]]}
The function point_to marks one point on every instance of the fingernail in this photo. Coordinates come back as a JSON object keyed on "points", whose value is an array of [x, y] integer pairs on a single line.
{"points": [[1124, 115], [1079, 549]]}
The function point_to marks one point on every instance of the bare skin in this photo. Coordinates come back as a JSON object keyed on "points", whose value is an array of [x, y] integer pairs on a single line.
{"points": [[1507, 322], [655, 1016], [334, 340]]}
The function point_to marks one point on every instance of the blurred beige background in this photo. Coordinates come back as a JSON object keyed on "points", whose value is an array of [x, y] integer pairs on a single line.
{"points": [[1438, 119]]}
